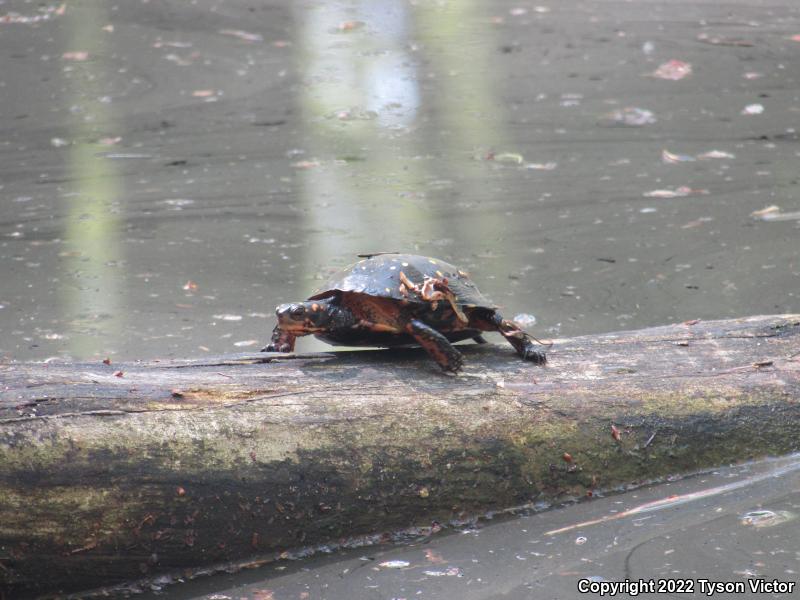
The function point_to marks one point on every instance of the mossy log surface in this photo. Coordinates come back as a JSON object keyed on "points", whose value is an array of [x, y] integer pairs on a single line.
{"points": [[113, 472]]}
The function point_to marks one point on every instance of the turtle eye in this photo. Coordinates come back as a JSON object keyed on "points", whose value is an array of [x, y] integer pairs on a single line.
{"points": [[297, 311]]}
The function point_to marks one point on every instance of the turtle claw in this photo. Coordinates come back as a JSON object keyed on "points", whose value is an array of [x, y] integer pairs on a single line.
{"points": [[532, 354], [454, 362], [277, 348], [440, 349], [282, 341]]}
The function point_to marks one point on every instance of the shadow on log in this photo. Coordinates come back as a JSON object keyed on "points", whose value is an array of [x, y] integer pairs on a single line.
{"points": [[173, 464]]}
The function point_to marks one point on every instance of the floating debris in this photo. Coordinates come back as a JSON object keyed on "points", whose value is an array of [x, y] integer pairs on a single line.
{"points": [[434, 557], [673, 70], [548, 166], [580, 540], [669, 157], [178, 202], [227, 317], [77, 56], [632, 116], [767, 518], [525, 320], [394, 564], [720, 40], [245, 343], [44, 14], [243, 35], [451, 572], [353, 114], [753, 109], [678, 192], [57, 142], [306, 164], [161, 44], [508, 157], [350, 26], [570, 99], [715, 154], [773, 213]]}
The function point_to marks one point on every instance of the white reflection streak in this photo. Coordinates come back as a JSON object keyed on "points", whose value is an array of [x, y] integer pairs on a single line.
{"points": [[681, 499]]}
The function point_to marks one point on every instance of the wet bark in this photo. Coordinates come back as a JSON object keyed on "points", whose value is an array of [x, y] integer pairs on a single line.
{"points": [[114, 472]]}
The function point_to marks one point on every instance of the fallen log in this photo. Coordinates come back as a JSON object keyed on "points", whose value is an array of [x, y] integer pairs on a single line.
{"points": [[113, 472]]}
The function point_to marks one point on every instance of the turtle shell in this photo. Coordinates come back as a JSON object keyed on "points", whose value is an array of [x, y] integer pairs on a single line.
{"points": [[379, 275]]}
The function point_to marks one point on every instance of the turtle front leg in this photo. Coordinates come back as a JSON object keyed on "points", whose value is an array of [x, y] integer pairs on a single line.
{"points": [[282, 341], [440, 349], [523, 343]]}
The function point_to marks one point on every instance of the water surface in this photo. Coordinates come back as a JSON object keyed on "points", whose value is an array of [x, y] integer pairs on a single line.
{"points": [[170, 171]]}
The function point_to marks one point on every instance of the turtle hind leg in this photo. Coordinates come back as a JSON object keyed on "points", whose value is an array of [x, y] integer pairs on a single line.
{"points": [[523, 343], [440, 349], [282, 341], [479, 339]]}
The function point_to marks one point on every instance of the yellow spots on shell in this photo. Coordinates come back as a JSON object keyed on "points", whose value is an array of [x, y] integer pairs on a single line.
{"points": [[433, 262], [388, 291], [439, 274], [463, 273]]}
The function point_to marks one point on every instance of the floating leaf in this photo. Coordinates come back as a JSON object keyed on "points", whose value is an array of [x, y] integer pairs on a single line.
{"points": [[243, 35], [78, 56], [509, 157], [669, 157], [715, 154], [753, 109], [673, 70], [394, 564], [632, 116]]}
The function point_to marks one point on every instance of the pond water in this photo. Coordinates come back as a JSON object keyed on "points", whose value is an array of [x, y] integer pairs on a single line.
{"points": [[724, 527], [170, 171]]}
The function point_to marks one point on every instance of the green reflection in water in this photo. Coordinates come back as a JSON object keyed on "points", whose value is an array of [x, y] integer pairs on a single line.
{"points": [[91, 298], [360, 100], [460, 44], [397, 101]]}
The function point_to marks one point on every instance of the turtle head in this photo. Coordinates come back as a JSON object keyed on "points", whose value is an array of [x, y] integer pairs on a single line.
{"points": [[302, 318]]}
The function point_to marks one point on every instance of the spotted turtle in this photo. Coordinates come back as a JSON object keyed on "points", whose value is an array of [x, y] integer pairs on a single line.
{"points": [[391, 300]]}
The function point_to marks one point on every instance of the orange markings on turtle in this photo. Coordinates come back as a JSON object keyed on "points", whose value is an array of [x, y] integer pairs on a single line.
{"points": [[434, 290], [407, 282], [373, 309]]}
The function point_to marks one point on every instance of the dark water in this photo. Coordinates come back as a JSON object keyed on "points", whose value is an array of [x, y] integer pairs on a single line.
{"points": [[172, 170], [727, 526]]}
